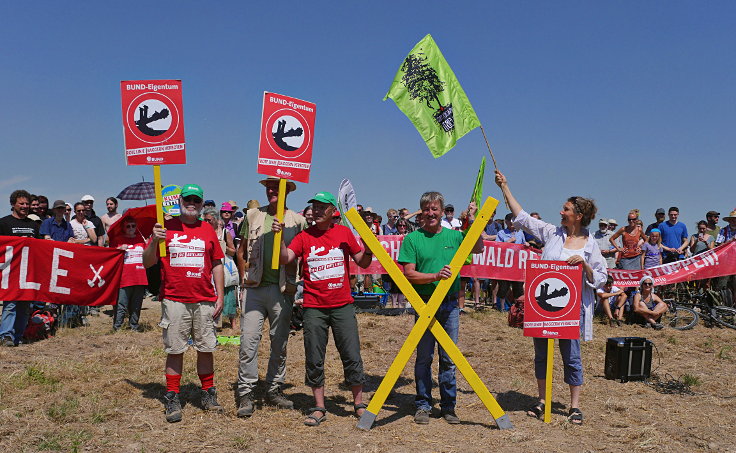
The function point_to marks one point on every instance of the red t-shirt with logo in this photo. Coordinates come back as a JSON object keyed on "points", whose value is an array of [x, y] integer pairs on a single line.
{"points": [[133, 271], [186, 270], [325, 255]]}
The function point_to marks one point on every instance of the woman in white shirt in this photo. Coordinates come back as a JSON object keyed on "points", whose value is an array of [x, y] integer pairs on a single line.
{"points": [[570, 242], [84, 230]]}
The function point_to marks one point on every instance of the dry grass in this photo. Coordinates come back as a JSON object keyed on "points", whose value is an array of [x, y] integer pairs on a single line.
{"points": [[89, 390]]}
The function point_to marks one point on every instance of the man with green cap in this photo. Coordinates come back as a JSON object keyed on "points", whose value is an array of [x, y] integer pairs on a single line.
{"points": [[189, 301], [269, 293], [324, 249]]}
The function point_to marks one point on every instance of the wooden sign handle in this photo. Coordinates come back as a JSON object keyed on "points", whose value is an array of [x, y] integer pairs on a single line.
{"points": [[548, 392], [159, 204], [280, 216]]}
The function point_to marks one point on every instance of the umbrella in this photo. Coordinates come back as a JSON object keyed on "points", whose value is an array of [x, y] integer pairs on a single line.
{"points": [[145, 218], [138, 191]]}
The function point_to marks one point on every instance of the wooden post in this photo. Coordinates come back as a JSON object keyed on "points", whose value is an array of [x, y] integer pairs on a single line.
{"points": [[280, 216], [159, 204], [548, 392]]}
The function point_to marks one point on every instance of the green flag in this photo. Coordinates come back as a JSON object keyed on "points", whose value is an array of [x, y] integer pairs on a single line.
{"points": [[478, 189], [427, 91]]}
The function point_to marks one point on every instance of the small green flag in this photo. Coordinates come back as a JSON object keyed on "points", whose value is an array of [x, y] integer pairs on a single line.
{"points": [[427, 91], [478, 189]]}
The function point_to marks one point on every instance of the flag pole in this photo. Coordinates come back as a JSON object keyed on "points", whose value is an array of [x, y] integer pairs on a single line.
{"points": [[548, 381], [493, 158], [489, 147]]}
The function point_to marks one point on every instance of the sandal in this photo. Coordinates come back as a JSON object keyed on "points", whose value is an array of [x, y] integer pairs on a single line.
{"points": [[357, 407], [576, 416], [313, 420], [536, 411]]}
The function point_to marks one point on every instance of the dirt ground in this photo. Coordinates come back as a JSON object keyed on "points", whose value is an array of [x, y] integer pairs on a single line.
{"points": [[88, 389]]}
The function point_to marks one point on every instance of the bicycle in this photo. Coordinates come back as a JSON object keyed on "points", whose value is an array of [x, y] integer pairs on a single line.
{"points": [[683, 301]]}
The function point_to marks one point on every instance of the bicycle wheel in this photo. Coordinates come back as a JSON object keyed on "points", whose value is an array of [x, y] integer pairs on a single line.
{"points": [[680, 318], [725, 316]]}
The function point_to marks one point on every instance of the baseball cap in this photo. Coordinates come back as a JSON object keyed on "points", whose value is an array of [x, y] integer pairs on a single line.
{"points": [[324, 197], [227, 207], [449, 207], [88, 197], [59, 204], [209, 203], [659, 211], [192, 189], [712, 213]]}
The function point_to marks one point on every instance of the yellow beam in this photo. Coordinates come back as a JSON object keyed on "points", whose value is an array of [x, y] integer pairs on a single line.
{"points": [[159, 204], [548, 392], [426, 319], [279, 215]]}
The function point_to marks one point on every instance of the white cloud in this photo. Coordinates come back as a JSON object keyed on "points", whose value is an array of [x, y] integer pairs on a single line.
{"points": [[13, 180]]}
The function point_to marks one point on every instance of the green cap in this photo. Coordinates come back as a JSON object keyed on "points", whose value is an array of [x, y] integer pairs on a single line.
{"points": [[192, 189], [324, 197]]}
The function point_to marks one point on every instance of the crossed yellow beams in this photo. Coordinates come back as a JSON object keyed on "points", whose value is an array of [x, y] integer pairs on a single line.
{"points": [[426, 318]]}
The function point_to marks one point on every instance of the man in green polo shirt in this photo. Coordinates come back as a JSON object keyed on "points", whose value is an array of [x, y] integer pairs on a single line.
{"points": [[426, 254]]}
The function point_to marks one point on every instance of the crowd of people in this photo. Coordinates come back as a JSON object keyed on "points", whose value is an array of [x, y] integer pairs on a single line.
{"points": [[218, 269]]}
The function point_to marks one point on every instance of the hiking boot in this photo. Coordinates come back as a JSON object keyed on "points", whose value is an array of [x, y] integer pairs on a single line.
{"points": [[277, 398], [209, 400], [421, 417], [245, 406], [451, 418], [7, 341], [172, 407]]}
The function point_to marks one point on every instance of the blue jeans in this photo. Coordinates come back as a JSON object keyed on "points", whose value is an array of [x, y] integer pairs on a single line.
{"points": [[14, 320], [448, 315], [570, 352], [130, 300]]}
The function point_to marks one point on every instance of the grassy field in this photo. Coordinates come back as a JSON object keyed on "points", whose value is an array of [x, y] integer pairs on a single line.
{"points": [[88, 389]]}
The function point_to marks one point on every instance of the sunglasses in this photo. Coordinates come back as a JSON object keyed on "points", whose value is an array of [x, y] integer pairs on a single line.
{"points": [[646, 284], [130, 226], [192, 199]]}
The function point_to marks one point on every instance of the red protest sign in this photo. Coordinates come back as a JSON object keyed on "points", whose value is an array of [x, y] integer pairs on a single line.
{"points": [[552, 302], [287, 137], [153, 122]]}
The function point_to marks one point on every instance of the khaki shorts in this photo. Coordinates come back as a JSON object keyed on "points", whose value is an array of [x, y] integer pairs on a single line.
{"points": [[181, 321]]}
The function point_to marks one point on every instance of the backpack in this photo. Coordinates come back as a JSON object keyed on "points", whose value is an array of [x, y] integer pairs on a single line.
{"points": [[516, 314], [41, 326]]}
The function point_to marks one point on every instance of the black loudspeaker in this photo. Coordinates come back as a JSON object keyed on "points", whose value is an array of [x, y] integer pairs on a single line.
{"points": [[628, 359]]}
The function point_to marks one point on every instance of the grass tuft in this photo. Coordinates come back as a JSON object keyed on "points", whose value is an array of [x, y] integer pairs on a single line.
{"points": [[690, 380]]}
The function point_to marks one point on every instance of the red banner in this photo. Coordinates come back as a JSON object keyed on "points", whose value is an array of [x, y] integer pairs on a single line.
{"points": [[499, 260], [287, 137], [59, 272], [718, 262], [552, 300], [153, 122]]}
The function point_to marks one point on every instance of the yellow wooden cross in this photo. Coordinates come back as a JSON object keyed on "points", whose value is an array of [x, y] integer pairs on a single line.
{"points": [[426, 319]]}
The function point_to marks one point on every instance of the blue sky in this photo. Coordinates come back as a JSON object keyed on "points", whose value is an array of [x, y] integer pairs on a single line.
{"points": [[631, 103]]}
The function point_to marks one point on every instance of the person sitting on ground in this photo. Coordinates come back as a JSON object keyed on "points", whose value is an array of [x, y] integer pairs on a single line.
{"points": [[701, 241], [324, 250], [651, 255], [647, 305], [612, 301]]}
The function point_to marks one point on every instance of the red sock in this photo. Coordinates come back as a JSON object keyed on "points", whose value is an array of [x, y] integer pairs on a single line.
{"points": [[172, 382], [208, 380]]}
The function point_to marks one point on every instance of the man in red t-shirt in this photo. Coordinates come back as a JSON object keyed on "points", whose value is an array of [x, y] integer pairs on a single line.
{"points": [[189, 301], [324, 250], [133, 281]]}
